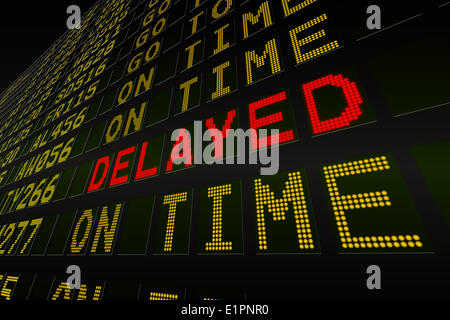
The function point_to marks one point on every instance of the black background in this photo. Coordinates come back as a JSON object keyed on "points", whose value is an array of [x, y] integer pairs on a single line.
{"points": [[329, 275], [27, 29]]}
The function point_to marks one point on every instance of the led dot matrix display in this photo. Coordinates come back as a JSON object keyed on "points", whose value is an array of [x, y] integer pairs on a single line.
{"points": [[86, 145]]}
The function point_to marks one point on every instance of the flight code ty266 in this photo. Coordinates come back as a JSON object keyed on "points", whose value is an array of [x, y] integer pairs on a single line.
{"points": [[256, 310]]}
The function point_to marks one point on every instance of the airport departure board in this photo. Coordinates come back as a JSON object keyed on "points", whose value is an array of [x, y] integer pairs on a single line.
{"points": [[115, 155]]}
